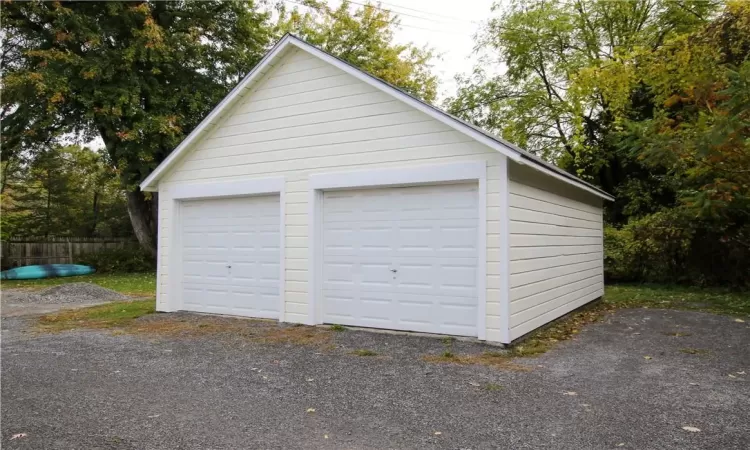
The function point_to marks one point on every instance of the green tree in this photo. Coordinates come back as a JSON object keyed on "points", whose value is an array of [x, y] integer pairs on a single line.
{"points": [[65, 191], [699, 129], [364, 37], [569, 78], [139, 75]]}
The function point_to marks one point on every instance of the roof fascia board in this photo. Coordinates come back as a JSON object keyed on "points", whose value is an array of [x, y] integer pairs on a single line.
{"points": [[563, 178], [149, 184]]}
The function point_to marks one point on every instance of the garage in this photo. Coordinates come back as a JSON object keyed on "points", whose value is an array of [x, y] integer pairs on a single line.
{"points": [[315, 193], [402, 258], [230, 256]]}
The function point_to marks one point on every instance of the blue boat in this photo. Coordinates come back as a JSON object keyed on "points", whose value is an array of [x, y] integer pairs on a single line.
{"points": [[46, 271]]}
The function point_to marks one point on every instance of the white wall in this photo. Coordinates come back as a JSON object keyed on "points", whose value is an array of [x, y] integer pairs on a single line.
{"points": [[556, 249], [306, 116]]}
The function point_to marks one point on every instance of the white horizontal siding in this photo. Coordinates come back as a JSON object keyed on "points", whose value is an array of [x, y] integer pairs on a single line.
{"points": [[307, 117], [556, 249]]}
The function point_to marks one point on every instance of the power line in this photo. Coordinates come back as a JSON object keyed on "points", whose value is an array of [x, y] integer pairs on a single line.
{"points": [[427, 12], [390, 11]]}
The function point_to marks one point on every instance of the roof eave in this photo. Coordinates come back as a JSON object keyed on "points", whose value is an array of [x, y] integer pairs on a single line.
{"points": [[505, 148]]}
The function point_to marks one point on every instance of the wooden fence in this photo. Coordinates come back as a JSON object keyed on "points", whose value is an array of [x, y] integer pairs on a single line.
{"points": [[23, 251]]}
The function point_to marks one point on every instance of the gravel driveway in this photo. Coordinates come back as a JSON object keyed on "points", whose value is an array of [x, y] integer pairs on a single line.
{"points": [[21, 302], [97, 390]]}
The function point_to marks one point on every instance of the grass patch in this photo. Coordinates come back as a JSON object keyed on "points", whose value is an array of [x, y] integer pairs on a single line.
{"points": [[134, 318], [111, 315], [714, 300], [694, 351], [133, 284], [337, 328], [492, 359], [256, 330], [364, 352], [492, 387]]}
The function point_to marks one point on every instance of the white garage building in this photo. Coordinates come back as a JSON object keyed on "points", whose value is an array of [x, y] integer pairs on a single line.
{"points": [[316, 193]]}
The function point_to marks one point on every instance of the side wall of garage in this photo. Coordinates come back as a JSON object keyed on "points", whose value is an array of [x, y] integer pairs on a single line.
{"points": [[556, 249], [308, 117]]}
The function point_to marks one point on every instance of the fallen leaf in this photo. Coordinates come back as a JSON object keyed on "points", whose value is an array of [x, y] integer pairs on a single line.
{"points": [[731, 376], [691, 429], [741, 373], [18, 436], [437, 433], [570, 393], [325, 436], [739, 320], [311, 410], [694, 384], [621, 444], [474, 383], [154, 416], [647, 357], [309, 379]]}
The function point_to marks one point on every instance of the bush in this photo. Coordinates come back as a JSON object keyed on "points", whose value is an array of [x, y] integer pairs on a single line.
{"points": [[673, 246], [120, 260]]}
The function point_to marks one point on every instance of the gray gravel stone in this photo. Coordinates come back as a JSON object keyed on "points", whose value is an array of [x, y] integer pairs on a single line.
{"points": [[64, 293], [93, 389]]}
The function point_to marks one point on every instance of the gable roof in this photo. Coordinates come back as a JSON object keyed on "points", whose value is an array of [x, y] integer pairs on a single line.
{"points": [[512, 151]]}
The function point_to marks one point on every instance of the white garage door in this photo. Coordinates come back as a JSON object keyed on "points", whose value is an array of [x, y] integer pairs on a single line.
{"points": [[230, 256], [402, 258]]}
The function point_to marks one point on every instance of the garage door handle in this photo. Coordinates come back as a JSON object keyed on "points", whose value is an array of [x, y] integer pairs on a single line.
{"points": [[394, 270], [229, 267]]}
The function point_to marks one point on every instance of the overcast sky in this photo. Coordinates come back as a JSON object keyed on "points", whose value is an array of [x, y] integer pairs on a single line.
{"points": [[448, 26]]}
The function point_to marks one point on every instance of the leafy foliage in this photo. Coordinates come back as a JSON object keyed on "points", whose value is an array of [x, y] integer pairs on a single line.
{"points": [[131, 259], [64, 191], [648, 99], [137, 75], [364, 38], [141, 75]]}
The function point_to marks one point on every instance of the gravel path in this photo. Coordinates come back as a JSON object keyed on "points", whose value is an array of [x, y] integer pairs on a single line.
{"points": [[17, 302], [641, 379]]}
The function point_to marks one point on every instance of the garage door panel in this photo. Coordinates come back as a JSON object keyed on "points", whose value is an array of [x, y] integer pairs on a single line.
{"points": [[428, 234], [231, 256]]}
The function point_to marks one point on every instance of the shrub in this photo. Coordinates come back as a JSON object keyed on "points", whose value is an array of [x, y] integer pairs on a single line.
{"points": [[676, 247], [120, 260]]}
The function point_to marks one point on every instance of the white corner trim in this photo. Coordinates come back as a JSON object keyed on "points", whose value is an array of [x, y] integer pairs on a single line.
{"points": [[482, 256], [260, 186], [388, 177], [465, 171], [314, 287], [504, 252], [178, 194]]}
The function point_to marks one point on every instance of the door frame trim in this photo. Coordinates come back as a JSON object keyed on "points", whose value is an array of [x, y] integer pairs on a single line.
{"points": [[229, 189], [395, 177]]}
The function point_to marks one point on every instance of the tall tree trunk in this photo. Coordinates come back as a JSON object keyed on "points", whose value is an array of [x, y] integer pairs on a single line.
{"points": [[143, 217], [143, 214], [49, 203], [95, 215]]}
